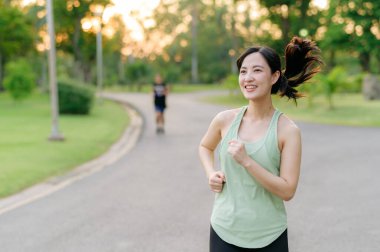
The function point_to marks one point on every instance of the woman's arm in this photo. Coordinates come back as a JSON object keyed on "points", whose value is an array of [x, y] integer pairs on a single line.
{"points": [[207, 147], [285, 185]]}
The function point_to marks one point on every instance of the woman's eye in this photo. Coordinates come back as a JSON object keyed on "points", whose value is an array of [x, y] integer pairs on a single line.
{"points": [[257, 70], [242, 71]]}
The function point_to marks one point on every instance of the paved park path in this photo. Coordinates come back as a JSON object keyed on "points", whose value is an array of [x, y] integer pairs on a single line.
{"points": [[156, 198]]}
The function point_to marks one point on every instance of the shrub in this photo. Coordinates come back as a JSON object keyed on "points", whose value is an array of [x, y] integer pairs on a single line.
{"points": [[138, 73], [74, 97], [232, 83], [335, 79], [312, 88], [352, 84], [20, 79]]}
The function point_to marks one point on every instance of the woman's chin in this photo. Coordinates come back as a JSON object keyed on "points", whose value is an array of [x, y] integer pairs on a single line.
{"points": [[250, 95], [254, 96]]}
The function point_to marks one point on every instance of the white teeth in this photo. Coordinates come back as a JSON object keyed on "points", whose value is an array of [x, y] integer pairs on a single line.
{"points": [[250, 86]]}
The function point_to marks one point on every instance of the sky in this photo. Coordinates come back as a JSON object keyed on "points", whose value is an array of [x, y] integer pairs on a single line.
{"points": [[320, 3], [125, 7]]}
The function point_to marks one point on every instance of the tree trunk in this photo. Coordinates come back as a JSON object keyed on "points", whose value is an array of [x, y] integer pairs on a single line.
{"points": [[364, 59], [285, 26], [285, 29], [332, 63], [121, 71], [371, 87], [304, 7], [86, 69], [194, 48], [76, 37], [78, 59]]}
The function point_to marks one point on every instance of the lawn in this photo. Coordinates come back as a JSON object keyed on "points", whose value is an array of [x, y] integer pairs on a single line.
{"points": [[349, 109], [27, 157]]}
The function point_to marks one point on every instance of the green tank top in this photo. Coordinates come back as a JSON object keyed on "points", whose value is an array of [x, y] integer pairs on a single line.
{"points": [[245, 213]]}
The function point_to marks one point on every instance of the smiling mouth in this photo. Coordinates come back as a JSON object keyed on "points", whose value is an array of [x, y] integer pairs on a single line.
{"points": [[250, 87]]}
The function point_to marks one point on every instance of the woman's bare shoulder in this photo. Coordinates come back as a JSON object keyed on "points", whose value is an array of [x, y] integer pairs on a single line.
{"points": [[226, 116], [287, 127], [224, 119]]}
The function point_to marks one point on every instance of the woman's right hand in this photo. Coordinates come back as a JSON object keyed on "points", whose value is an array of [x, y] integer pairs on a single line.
{"points": [[216, 181]]}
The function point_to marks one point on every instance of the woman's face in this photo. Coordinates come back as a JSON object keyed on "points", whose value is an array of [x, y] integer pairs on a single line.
{"points": [[255, 77]]}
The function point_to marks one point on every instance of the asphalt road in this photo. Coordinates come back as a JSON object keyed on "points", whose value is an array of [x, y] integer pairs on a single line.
{"points": [[156, 198]]}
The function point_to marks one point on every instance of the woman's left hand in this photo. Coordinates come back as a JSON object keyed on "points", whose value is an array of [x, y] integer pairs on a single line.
{"points": [[238, 152]]}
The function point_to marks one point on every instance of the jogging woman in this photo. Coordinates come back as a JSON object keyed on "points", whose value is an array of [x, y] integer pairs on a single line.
{"points": [[260, 151]]}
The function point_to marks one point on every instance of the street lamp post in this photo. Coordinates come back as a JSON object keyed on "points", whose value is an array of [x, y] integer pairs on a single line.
{"points": [[55, 135], [97, 9], [99, 60]]}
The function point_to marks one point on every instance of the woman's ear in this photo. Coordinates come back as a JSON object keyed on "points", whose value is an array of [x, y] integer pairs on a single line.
{"points": [[275, 77]]}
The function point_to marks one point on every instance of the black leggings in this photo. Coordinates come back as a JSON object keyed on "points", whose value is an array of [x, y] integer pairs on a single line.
{"points": [[218, 245]]}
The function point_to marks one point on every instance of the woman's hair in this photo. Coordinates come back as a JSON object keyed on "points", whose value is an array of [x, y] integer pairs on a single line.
{"points": [[302, 59]]}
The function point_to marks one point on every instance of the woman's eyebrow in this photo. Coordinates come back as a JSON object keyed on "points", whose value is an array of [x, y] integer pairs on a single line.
{"points": [[253, 66]]}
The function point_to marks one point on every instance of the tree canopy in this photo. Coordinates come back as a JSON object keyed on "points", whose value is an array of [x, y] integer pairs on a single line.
{"points": [[15, 35], [191, 41]]}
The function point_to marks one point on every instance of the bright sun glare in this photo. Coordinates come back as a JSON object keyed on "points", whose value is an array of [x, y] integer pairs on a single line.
{"points": [[125, 8], [322, 4]]}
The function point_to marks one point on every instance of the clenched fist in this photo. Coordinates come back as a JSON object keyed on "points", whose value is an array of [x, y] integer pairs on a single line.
{"points": [[216, 181], [237, 151]]}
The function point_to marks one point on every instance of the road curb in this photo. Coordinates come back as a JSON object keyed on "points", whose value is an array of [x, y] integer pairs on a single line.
{"points": [[127, 141]]}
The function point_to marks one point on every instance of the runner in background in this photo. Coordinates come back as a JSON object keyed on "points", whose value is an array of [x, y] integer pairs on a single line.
{"points": [[160, 91]]}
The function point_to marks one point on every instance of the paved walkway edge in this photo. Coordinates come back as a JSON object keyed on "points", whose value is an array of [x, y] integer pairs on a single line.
{"points": [[116, 151]]}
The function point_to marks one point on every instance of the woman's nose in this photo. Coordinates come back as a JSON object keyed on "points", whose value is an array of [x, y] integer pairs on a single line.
{"points": [[249, 76]]}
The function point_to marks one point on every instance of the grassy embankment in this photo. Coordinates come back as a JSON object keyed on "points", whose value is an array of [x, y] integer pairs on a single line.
{"points": [[27, 157]]}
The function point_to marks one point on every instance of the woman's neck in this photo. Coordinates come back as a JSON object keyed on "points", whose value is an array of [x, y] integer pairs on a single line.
{"points": [[259, 110]]}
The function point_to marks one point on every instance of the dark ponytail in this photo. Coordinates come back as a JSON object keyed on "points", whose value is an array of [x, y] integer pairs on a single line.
{"points": [[302, 59], [302, 63]]}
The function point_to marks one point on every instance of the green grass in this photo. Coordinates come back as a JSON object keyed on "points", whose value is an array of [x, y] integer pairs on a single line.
{"points": [[27, 157], [349, 109]]}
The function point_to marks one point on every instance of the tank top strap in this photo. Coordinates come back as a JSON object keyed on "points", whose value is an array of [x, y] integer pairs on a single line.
{"points": [[275, 118], [237, 120], [240, 115], [234, 125]]}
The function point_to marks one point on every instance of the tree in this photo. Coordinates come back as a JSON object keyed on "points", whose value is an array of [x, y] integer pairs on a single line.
{"points": [[38, 57], [291, 17], [181, 20], [201, 40], [215, 43], [334, 39], [113, 47], [70, 36], [362, 24], [15, 36], [138, 73], [20, 79]]}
